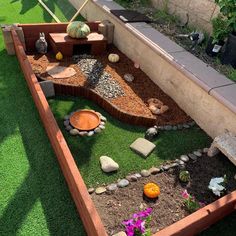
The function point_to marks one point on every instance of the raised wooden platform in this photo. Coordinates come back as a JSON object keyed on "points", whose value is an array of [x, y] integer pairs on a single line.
{"points": [[62, 42]]}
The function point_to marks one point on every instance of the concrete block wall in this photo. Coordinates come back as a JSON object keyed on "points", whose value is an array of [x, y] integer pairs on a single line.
{"points": [[200, 12]]}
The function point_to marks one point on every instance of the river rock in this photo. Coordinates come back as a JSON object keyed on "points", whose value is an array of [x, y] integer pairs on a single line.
{"points": [[154, 170], [90, 133], [168, 127], [101, 126], [103, 118], [205, 150], [138, 175], [180, 126], [184, 158], [83, 133], [197, 153], [145, 173], [112, 187], [121, 233], [128, 77], [186, 126], [91, 190], [74, 132], [192, 156], [97, 130], [123, 183], [66, 122], [108, 165], [67, 117], [131, 178], [68, 127], [100, 190]]}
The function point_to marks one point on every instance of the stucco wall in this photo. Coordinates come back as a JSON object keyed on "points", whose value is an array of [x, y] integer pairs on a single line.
{"points": [[210, 114], [200, 11]]}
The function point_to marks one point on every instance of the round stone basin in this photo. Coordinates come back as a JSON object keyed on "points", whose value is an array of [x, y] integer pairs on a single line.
{"points": [[85, 120]]}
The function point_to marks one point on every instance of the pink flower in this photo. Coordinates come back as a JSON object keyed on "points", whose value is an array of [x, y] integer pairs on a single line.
{"points": [[185, 194]]}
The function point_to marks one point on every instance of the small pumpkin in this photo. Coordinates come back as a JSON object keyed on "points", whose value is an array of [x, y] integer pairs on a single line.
{"points": [[78, 29], [184, 176], [151, 190], [59, 56], [113, 57]]}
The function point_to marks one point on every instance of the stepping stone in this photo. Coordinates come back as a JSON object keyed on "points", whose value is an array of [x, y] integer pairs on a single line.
{"points": [[123, 183], [60, 72], [108, 165], [225, 143], [100, 190], [142, 146]]}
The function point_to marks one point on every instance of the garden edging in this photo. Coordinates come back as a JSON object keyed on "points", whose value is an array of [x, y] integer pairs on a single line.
{"points": [[207, 96]]}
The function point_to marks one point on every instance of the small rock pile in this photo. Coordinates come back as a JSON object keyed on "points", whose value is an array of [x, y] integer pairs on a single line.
{"points": [[101, 80], [74, 132]]}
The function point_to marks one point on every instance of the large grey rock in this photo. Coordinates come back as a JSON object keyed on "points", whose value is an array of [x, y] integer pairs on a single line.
{"points": [[226, 143], [108, 165], [48, 88], [142, 146]]}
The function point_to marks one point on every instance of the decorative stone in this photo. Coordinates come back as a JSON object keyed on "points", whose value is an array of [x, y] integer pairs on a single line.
{"points": [[112, 187], [184, 158], [174, 165], [151, 133], [154, 170], [103, 118], [131, 178], [168, 127], [68, 127], [74, 132], [128, 77], [60, 72], [100, 190], [186, 126], [83, 133], [192, 156], [102, 123], [101, 126], [91, 190], [235, 177], [138, 175], [48, 88], [145, 173], [205, 150], [182, 167], [180, 162], [108, 165], [90, 133], [192, 123], [166, 167], [123, 183], [160, 127], [67, 117], [197, 153], [121, 233], [97, 130], [66, 122], [180, 126]]}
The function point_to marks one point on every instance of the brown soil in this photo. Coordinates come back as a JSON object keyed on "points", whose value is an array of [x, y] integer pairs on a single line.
{"points": [[136, 93], [168, 208]]}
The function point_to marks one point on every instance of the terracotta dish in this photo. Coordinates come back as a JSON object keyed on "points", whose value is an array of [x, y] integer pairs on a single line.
{"points": [[85, 120]]}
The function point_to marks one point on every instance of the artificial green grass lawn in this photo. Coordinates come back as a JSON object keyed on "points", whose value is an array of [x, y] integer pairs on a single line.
{"points": [[34, 198], [114, 141]]}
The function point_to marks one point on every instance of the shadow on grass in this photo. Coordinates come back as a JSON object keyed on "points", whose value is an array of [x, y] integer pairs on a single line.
{"points": [[44, 181]]}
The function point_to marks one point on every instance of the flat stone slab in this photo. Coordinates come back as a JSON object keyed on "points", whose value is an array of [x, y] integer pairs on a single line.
{"points": [[48, 88], [60, 72], [225, 143], [142, 146]]}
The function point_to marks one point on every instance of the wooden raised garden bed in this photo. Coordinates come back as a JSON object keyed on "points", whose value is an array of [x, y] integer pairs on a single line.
{"points": [[189, 225]]}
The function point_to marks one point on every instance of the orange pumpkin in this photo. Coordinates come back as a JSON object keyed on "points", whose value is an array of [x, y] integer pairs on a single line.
{"points": [[151, 190]]}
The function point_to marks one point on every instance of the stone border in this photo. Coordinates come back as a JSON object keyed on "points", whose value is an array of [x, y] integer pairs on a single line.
{"points": [[203, 93], [74, 132], [124, 182]]}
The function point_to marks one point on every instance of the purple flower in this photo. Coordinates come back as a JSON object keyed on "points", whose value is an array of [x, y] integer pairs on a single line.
{"points": [[128, 222]]}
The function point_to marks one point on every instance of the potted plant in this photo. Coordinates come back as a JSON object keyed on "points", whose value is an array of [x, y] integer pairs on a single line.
{"points": [[228, 10], [219, 34]]}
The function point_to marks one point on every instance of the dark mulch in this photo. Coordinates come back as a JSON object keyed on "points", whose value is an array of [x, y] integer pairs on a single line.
{"points": [[136, 93], [168, 208]]}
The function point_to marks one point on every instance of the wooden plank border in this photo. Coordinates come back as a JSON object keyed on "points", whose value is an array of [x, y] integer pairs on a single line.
{"points": [[77, 187]]}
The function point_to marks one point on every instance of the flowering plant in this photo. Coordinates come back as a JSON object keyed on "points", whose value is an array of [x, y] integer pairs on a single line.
{"points": [[139, 224], [217, 185], [190, 202]]}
